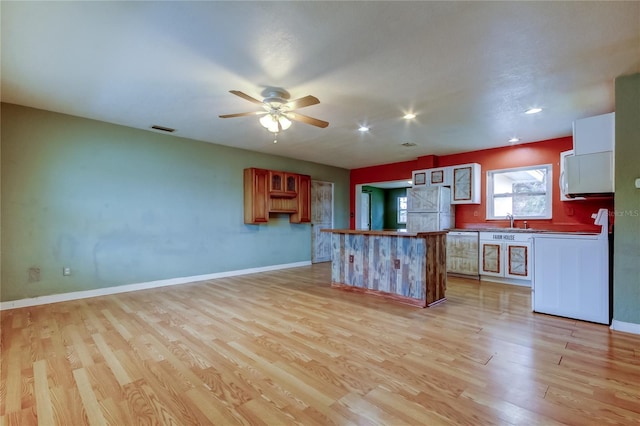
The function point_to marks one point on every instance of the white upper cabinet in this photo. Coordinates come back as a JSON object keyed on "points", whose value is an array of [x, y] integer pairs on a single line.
{"points": [[419, 178], [441, 176], [463, 179], [465, 187], [594, 134]]}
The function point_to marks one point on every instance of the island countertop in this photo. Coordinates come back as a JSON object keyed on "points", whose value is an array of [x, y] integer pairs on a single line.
{"points": [[382, 233], [403, 266]]}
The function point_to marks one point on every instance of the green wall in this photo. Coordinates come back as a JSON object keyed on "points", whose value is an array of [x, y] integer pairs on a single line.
{"points": [[626, 272], [120, 206], [384, 207], [391, 208]]}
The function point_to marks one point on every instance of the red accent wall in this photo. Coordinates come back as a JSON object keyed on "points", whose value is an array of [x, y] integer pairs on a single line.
{"points": [[567, 216]]}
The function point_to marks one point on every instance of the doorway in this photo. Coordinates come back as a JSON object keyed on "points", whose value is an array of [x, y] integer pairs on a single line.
{"points": [[361, 213]]}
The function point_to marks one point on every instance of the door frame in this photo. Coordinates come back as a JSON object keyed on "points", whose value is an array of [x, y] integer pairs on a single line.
{"points": [[404, 183]]}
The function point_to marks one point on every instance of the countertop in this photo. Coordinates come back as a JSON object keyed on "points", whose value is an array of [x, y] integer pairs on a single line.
{"points": [[522, 231], [419, 234], [382, 233]]}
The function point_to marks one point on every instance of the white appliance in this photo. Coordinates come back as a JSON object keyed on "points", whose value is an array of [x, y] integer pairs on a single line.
{"points": [[571, 273], [563, 180], [589, 174], [429, 209], [589, 171]]}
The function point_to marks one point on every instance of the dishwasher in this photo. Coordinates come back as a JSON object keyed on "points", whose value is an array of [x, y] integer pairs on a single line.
{"points": [[571, 273]]}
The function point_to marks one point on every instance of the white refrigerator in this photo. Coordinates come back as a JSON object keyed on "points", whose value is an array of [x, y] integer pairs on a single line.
{"points": [[429, 208]]}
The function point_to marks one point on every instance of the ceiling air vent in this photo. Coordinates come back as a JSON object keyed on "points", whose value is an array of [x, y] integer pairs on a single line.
{"points": [[408, 144], [163, 129]]}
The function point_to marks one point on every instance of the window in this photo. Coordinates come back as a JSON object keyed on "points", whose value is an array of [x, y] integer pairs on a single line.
{"points": [[524, 192], [402, 209]]}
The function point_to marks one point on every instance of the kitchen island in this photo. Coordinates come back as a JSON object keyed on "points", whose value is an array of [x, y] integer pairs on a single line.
{"points": [[402, 266]]}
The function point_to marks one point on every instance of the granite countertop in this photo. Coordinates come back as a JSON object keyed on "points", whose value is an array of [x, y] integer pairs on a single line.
{"points": [[382, 233], [522, 231], [479, 229]]}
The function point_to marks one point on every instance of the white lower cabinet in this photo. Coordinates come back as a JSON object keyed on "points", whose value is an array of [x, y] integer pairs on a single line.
{"points": [[506, 257]]}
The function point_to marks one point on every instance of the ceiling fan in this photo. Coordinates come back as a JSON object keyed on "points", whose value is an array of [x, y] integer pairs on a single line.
{"points": [[278, 110]]}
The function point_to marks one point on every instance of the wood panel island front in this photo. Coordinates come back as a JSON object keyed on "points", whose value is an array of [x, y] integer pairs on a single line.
{"points": [[406, 267]]}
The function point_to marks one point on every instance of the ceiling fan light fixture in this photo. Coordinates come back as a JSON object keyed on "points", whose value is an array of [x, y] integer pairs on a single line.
{"points": [[275, 122], [278, 110], [269, 123], [285, 123]]}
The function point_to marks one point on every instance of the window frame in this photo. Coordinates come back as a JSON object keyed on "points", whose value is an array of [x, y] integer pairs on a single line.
{"points": [[399, 210], [548, 193]]}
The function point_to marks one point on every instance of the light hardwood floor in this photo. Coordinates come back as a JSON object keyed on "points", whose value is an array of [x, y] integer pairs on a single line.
{"points": [[283, 347]]}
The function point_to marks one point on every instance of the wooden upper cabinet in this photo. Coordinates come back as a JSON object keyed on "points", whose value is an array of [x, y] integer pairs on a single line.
{"points": [[303, 213], [282, 184], [272, 191], [256, 196]]}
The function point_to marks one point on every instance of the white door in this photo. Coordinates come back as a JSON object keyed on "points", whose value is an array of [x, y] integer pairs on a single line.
{"points": [[321, 218], [365, 211]]}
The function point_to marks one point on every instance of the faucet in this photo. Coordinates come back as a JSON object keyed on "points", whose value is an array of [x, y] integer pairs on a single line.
{"points": [[510, 217]]}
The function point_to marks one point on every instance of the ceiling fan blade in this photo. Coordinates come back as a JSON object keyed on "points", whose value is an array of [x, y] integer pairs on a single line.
{"points": [[302, 102], [243, 114], [245, 96], [308, 120]]}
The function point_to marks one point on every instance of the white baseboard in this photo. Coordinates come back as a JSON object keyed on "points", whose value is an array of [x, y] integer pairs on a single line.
{"points": [[627, 327], [54, 298]]}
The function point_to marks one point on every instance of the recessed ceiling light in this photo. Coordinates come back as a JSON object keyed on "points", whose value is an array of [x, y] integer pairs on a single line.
{"points": [[409, 116], [363, 129], [533, 110], [514, 140]]}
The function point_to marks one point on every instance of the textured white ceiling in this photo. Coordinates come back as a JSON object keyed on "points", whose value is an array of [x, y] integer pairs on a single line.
{"points": [[468, 70]]}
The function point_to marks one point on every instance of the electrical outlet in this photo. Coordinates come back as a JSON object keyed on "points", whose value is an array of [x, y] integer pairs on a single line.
{"points": [[350, 258], [66, 271], [396, 263]]}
